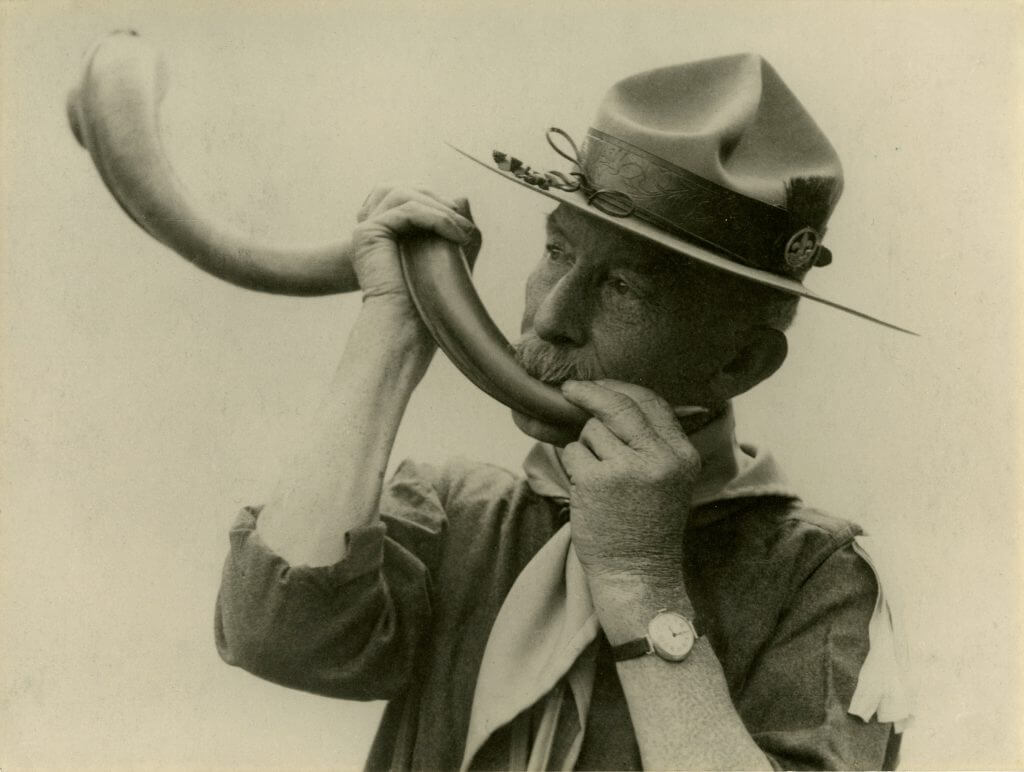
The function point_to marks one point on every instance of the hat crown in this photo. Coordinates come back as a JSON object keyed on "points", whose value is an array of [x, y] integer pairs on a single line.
{"points": [[730, 120], [714, 160]]}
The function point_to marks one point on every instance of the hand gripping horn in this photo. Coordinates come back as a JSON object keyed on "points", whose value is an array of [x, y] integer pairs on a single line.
{"points": [[114, 115]]}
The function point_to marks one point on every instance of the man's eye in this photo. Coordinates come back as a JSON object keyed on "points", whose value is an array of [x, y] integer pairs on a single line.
{"points": [[554, 252], [620, 286]]}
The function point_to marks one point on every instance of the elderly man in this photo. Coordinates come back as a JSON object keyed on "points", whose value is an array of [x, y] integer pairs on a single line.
{"points": [[651, 593]]}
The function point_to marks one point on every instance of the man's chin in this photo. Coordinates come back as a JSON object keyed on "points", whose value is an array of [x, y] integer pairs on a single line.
{"points": [[545, 432]]}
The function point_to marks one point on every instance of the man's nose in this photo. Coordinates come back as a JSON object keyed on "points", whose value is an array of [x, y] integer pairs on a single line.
{"points": [[563, 316]]}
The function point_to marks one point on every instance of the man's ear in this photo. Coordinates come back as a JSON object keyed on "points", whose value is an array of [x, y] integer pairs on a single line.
{"points": [[759, 353]]}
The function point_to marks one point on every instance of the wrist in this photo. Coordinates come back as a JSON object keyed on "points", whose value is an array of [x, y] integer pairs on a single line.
{"points": [[626, 603], [395, 321], [392, 305], [388, 339]]}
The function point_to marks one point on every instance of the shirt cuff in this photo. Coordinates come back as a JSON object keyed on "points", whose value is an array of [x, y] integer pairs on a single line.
{"points": [[364, 552]]}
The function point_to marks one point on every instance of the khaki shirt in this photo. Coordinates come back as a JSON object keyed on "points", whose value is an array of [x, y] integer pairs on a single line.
{"points": [[783, 597]]}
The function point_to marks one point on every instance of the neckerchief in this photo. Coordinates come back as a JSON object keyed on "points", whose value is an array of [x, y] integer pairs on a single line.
{"points": [[540, 644]]}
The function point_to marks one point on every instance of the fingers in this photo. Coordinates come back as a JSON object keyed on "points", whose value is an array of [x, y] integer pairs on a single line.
{"points": [[599, 440], [659, 413], [387, 197], [453, 218], [577, 459], [628, 413], [379, 193], [419, 214], [617, 411]]}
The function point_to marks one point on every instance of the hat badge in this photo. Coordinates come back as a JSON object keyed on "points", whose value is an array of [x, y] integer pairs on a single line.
{"points": [[801, 248]]}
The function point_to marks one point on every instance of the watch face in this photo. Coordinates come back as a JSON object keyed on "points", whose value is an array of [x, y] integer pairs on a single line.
{"points": [[671, 636]]}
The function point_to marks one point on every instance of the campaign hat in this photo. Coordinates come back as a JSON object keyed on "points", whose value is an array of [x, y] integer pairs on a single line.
{"points": [[716, 160]]}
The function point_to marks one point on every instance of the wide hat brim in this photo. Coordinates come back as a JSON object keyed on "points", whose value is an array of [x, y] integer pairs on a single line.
{"points": [[691, 249]]}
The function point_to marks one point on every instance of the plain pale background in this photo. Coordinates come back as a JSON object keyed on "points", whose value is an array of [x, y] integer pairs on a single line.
{"points": [[145, 402]]}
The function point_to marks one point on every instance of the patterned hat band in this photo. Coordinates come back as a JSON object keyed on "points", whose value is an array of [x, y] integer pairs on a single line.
{"points": [[622, 180]]}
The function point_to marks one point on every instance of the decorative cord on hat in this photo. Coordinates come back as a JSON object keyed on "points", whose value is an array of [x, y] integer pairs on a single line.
{"points": [[744, 229], [614, 203]]}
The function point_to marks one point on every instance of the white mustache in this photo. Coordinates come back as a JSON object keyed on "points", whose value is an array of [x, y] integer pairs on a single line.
{"points": [[552, 364]]}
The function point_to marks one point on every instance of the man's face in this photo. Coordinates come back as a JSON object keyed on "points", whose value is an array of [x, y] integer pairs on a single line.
{"points": [[602, 303]]}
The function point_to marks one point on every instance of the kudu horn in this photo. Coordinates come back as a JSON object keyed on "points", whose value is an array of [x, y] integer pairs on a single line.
{"points": [[114, 114]]}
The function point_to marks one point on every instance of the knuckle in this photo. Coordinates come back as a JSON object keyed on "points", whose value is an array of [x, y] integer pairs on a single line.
{"points": [[396, 194], [416, 212], [657, 401], [620, 404], [570, 456], [622, 472], [576, 454], [409, 208], [363, 230], [663, 469], [579, 452], [691, 462]]}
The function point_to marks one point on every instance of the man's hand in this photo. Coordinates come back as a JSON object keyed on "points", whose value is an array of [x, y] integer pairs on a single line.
{"points": [[391, 212], [632, 472]]}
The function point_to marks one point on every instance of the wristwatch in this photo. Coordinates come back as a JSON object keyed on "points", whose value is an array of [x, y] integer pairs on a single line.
{"points": [[669, 635]]}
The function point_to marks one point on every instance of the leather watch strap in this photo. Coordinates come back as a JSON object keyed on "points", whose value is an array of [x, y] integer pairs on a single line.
{"points": [[638, 647], [632, 649]]}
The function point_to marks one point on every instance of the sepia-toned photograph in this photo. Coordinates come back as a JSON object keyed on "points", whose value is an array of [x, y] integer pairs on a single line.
{"points": [[511, 385]]}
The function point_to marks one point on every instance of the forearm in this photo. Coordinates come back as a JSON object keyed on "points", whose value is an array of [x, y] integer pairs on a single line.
{"points": [[333, 483], [681, 711]]}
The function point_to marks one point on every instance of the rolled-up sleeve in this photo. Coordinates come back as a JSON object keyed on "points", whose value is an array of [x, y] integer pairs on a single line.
{"points": [[348, 630], [798, 692]]}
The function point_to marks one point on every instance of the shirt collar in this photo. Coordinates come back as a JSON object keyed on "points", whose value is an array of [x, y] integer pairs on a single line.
{"points": [[728, 470]]}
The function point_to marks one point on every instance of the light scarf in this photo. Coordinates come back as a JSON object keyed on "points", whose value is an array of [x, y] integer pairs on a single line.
{"points": [[540, 648]]}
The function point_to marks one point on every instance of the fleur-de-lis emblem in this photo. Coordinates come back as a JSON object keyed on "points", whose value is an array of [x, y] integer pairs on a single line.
{"points": [[801, 248]]}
